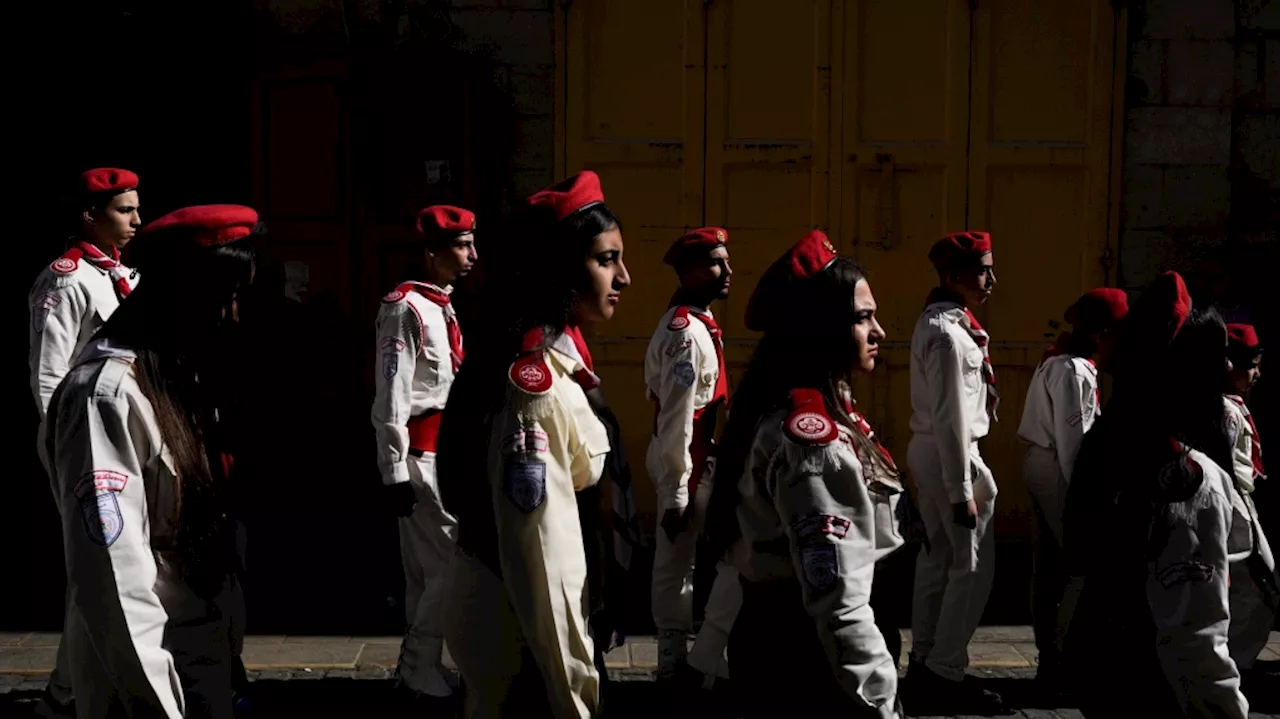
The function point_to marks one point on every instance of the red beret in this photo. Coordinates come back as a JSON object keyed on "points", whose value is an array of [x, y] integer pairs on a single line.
{"points": [[811, 255], [702, 240], [1163, 308], [1098, 309], [207, 225], [107, 179], [1242, 336], [959, 249], [445, 219], [570, 195]]}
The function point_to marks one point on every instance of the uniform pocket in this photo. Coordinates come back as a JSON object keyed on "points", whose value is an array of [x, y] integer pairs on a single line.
{"points": [[971, 366]]}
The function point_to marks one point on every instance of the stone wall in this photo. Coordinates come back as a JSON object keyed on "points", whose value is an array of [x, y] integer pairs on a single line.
{"points": [[1201, 176]]}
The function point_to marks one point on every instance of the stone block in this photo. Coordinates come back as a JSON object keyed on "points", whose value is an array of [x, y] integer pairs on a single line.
{"points": [[1178, 136], [528, 182], [1140, 201], [618, 658], [1001, 635], [331, 655], [8, 639], [1271, 71], [1195, 196], [1260, 14], [644, 654], [535, 143], [1146, 253], [378, 656], [1146, 67], [1200, 72], [990, 654], [529, 4], [42, 639], [533, 89], [27, 660], [1258, 143], [1248, 70], [1198, 19], [514, 37]]}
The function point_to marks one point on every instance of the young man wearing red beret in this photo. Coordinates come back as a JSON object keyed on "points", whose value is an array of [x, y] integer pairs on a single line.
{"points": [[685, 378], [1063, 400], [953, 402], [70, 300], [1254, 590], [419, 353]]}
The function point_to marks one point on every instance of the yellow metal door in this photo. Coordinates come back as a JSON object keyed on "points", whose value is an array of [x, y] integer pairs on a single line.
{"points": [[902, 107], [633, 112], [1039, 174]]}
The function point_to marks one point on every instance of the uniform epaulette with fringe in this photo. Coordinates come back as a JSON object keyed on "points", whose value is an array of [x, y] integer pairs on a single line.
{"points": [[680, 320], [809, 423], [398, 294], [530, 378]]}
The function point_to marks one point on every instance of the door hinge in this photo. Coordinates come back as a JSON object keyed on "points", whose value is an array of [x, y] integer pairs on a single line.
{"points": [[1107, 259]]}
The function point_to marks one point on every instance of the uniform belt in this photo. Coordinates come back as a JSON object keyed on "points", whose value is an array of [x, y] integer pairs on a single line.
{"points": [[424, 431]]}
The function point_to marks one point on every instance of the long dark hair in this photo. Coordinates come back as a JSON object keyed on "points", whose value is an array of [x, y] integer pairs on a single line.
{"points": [[531, 279], [176, 322], [813, 350]]}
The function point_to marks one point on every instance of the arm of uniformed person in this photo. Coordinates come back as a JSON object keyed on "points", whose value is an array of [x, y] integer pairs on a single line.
{"points": [[1072, 395], [57, 304], [1187, 593], [543, 457], [111, 569], [818, 491], [677, 394], [1241, 449], [944, 371], [399, 341]]}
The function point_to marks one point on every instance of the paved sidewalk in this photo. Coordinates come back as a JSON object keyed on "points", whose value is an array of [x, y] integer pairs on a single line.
{"points": [[34, 653]]}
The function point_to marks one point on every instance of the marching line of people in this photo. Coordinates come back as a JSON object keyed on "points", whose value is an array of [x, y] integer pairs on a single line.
{"points": [[491, 455]]}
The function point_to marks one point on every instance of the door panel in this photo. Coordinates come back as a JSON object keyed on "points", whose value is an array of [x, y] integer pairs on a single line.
{"points": [[768, 100], [903, 112], [638, 124], [1039, 159]]}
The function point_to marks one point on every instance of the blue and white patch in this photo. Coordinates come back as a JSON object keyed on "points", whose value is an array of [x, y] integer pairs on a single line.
{"points": [[685, 374], [390, 365], [821, 569], [526, 484], [102, 519]]}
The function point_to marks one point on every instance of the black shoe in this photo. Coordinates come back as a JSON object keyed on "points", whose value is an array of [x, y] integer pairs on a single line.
{"points": [[934, 694], [425, 705], [50, 708]]}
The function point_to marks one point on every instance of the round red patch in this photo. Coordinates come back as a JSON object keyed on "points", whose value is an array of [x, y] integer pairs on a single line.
{"points": [[62, 265], [531, 374], [810, 426], [678, 323], [394, 296]]}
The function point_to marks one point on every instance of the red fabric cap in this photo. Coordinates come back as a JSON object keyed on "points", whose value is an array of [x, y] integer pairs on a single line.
{"points": [[1163, 308], [445, 219], [1098, 309], [702, 240], [207, 225], [960, 249], [811, 255], [107, 179], [570, 195], [1243, 336]]}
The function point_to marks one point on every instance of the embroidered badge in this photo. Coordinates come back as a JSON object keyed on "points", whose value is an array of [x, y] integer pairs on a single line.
{"points": [[526, 484], [679, 347], [102, 519], [820, 567], [1076, 418], [531, 374], [678, 323], [1185, 573], [41, 309], [390, 364], [942, 343], [63, 266], [394, 296], [821, 524], [101, 480], [719, 235], [391, 344], [809, 425], [829, 247], [531, 441], [685, 374]]}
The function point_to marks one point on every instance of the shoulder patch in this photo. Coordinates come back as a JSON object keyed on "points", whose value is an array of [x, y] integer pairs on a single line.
{"points": [[809, 422], [941, 342], [821, 566], [1185, 573], [530, 374], [525, 483], [100, 480], [680, 320], [678, 347], [820, 525], [685, 374], [64, 265], [394, 296], [103, 521]]}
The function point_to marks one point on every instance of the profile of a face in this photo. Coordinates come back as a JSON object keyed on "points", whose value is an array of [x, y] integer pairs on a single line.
{"points": [[606, 278]]}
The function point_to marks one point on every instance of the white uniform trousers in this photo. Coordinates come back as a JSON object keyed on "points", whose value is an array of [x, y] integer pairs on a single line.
{"points": [[953, 579], [1042, 474], [672, 596], [426, 549]]}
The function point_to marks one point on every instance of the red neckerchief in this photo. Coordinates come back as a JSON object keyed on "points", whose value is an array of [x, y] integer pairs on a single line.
{"points": [[111, 265], [860, 423], [717, 337], [980, 336], [1255, 455], [441, 298]]}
